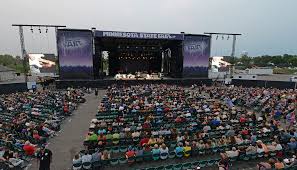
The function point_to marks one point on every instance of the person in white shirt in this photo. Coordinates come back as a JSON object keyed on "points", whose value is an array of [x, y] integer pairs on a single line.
{"points": [[233, 153], [87, 160], [164, 152]]}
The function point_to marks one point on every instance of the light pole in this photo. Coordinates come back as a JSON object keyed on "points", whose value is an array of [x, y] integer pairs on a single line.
{"points": [[22, 41]]}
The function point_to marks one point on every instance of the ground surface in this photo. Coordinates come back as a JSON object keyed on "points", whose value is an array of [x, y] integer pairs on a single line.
{"points": [[69, 140]]}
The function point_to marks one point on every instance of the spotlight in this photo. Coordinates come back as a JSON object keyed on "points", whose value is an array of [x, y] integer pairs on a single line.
{"points": [[217, 37], [228, 37], [39, 30], [46, 30], [31, 29]]}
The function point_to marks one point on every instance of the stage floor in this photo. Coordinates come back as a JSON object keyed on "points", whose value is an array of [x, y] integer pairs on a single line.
{"points": [[103, 83]]}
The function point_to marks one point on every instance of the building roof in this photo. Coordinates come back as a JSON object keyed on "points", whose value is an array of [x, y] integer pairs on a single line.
{"points": [[5, 69]]}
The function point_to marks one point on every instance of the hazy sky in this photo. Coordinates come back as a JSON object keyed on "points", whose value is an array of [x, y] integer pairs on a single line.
{"points": [[268, 26]]}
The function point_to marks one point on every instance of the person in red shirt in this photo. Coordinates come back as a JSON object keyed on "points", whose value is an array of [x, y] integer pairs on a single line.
{"points": [[29, 148], [130, 154], [242, 119], [146, 125], [245, 133], [144, 141], [36, 136], [65, 108]]}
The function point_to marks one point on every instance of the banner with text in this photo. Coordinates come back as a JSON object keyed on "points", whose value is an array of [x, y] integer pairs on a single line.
{"points": [[196, 52], [75, 54], [139, 35]]}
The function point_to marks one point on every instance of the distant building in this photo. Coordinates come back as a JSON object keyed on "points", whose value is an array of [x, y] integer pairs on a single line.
{"points": [[6, 73], [260, 71]]}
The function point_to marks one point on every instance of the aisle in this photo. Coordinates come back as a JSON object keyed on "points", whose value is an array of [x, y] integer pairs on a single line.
{"points": [[69, 140]]}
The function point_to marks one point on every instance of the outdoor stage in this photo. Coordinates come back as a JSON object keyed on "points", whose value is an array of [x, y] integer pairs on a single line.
{"points": [[103, 83]]}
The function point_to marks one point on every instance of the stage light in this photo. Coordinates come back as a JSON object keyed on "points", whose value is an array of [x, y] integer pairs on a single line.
{"points": [[228, 37], [31, 29], [39, 30], [217, 37], [46, 30]]}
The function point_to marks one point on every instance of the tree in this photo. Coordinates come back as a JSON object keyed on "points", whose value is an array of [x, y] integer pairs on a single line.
{"points": [[15, 63]]}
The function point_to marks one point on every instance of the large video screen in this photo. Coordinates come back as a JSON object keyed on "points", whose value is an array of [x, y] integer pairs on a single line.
{"points": [[75, 54], [196, 52], [42, 64]]}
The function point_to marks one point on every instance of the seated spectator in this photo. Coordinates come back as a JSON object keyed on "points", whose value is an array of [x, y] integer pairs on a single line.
{"points": [[48, 131], [108, 136], [16, 161], [278, 164], [116, 138], [156, 152], [144, 141], [251, 149], [187, 149], [135, 134], [233, 153], [139, 152], [152, 141], [164, 152], [179, 150], [292, 144], [36, 136], [224, 162], [289, 162], [264, 166], [101, 140], [278, 146], [77, 162], [7, 154], [130, 155], [272, 147], [260, 147], [86, 160], [230, 132], [92, 137], [96, 156], [29, 148], [105, 155]]}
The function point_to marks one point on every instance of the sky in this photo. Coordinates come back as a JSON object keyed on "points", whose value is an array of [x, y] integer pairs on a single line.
{"points": [[268, 27]]}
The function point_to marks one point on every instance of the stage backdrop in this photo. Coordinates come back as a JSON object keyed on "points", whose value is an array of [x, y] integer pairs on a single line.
{"points": [[75, 54], [196, 52]]}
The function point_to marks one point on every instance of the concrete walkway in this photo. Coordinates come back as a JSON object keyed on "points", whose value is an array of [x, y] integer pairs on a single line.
{"points": [[70, 140]]}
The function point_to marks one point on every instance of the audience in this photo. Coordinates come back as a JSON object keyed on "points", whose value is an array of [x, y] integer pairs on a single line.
{"points": [[157, 120], [29, 119]]}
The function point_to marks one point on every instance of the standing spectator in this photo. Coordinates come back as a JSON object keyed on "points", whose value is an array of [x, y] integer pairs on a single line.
{"points": [[45, 158], [96, 92]]}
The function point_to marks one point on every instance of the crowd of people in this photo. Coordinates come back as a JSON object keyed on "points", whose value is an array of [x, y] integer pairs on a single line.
{"points": [[28, 120], [145, 123]]}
